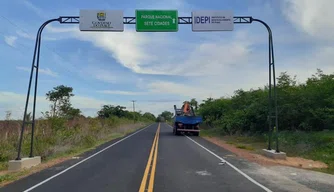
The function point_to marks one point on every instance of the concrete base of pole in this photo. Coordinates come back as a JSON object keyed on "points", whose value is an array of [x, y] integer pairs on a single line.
{"points": [[16, 165], [273, 154]]}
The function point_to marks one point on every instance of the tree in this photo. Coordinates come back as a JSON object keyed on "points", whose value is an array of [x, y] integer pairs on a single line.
{"points": [[194, 103], [149, 116], [110, 110], [61, 105], [167, 115]]}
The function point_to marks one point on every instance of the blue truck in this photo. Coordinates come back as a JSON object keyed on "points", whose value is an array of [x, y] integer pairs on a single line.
{"points": [[186, 121]]}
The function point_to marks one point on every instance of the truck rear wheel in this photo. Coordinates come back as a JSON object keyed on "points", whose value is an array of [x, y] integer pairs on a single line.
{"points": [[175, 132], [196, 134]]}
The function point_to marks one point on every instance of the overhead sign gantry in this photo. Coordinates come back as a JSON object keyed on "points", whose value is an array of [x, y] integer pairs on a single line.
{"points": [[155, 20], [152, 21]]}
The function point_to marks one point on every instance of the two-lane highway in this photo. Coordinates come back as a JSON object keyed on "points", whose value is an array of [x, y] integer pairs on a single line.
{"points": [[151, 159]]}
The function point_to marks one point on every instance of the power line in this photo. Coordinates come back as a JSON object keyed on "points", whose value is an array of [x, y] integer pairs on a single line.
{"points": [[11, 22]]}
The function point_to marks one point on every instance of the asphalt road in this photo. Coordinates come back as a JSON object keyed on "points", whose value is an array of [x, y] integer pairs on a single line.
{"points": [[151, 159]]}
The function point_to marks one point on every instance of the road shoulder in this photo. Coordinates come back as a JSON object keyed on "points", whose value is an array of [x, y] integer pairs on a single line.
{"points": [[272, 174]]}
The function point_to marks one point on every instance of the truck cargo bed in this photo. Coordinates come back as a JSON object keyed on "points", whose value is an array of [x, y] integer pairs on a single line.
{"points": [[191, 120]]}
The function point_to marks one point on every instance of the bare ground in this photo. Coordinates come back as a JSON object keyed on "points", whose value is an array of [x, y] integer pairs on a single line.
{"points": [[262, 160]]}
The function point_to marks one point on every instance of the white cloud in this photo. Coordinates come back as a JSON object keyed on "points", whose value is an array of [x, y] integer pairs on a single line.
{"points": [[15, 103], [162, 100], [10, 40], [161, 53], [46, 71], [102, 75], [125, 47], [24, 35], [305, 65], [155, 107], [247, 77], [105, 74], [118, 92], [311, 17], [173, 88], [212, 86]]}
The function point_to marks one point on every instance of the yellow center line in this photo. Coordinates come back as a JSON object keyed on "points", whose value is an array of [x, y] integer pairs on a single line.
{"points": [[147, 169], [151, 183]]}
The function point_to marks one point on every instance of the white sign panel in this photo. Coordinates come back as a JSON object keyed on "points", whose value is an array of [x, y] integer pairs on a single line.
{"points": [[215, 20], [101, 20]]}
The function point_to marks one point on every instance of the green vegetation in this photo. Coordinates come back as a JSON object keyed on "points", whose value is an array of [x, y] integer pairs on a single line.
{"points": [[64, 131], [305, 114], [304, 107], [165, 116]]}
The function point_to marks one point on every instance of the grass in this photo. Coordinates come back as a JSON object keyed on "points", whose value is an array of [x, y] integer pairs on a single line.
{"points": [[250, 148], [13, 176], [318, 146], [57, 138]]}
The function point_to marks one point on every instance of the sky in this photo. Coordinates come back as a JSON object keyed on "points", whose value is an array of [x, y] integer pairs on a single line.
{"points": [[157, 70]]}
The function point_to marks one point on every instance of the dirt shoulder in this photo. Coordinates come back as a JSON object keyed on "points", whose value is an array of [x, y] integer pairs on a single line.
{"points": [[262, 160]]}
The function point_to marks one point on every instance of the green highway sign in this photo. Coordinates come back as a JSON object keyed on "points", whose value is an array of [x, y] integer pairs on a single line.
{"points": [[157, 21]]}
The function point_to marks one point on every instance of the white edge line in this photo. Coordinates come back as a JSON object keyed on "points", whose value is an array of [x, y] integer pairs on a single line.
{"points": [[238, 170], [48, 179]]}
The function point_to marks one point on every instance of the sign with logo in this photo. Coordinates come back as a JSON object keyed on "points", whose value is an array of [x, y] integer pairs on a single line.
{"points": [[101, 20], [156, 20], [212, 20]]}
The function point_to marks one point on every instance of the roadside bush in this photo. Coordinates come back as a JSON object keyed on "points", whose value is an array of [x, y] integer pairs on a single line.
{"points": [[56, 136], [306, 106]]}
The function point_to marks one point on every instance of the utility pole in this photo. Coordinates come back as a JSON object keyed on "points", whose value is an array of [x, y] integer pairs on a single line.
{"points": [[134, 110], [133, 105]]}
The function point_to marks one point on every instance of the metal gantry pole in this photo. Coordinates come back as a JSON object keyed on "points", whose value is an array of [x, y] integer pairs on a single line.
{"points": [[35, 58], [271, 76], [275, 95]]}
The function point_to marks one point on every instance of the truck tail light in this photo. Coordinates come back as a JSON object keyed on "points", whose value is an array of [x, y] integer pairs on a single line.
{"points": [[180, 125]]}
